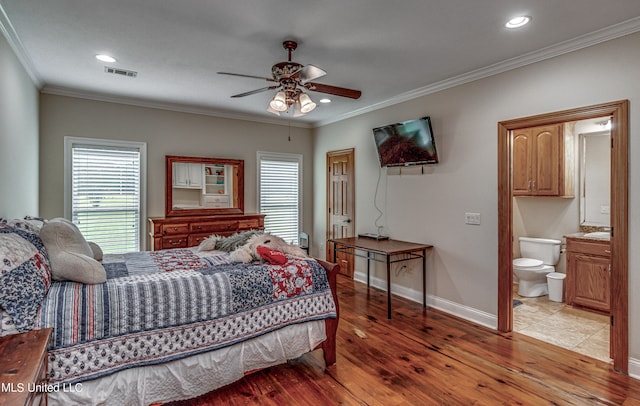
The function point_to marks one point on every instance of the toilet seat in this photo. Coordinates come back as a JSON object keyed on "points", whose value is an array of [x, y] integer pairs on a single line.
{"points": [[528, 263]]}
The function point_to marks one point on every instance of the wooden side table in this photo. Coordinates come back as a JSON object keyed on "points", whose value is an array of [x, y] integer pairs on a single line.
{"points": [[23, 368]]}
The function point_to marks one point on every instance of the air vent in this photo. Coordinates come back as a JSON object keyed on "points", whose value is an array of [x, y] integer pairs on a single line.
{"points": [[121, 72]]}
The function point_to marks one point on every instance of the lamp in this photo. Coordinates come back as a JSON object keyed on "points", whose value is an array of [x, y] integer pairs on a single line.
{"points": [[284, 99], [306, 104], [279, 102]]}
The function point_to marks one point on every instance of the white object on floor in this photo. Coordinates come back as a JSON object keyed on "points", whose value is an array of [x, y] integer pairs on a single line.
{"points": [[555, 280]]}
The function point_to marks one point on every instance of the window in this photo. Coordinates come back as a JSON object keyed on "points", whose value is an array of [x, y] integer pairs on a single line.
{"points": [[279, 193], [105, 191]]}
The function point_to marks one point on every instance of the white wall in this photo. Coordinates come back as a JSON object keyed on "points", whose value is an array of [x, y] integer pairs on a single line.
{"points": [[430, 208], [18, 138], [166, 133]]}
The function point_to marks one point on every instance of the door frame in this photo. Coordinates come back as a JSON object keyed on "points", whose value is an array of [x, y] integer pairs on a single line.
{"points": [[619, 112]]}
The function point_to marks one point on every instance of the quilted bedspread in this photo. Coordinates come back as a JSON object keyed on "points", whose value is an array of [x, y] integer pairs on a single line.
{"points": [[162, 305]]}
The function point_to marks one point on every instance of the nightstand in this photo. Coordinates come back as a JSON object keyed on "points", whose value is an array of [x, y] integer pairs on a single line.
{"points": [[23, 368]]}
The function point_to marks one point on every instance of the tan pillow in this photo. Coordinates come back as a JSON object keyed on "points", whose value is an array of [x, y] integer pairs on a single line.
{"points": [[70, 255]]}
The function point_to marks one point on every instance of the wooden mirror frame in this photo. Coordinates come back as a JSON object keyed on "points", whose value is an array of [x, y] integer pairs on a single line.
{"points": [[168, 190]]}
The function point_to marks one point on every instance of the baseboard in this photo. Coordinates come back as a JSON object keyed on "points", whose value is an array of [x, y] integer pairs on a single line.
{"points": [[464, 312], [634, 368]]}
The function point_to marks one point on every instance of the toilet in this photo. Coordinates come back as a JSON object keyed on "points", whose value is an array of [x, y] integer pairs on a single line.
{"points": [[539, 257]]}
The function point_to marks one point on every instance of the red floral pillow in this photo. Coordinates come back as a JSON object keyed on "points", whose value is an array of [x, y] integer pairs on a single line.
{"points": [[274, 257]]}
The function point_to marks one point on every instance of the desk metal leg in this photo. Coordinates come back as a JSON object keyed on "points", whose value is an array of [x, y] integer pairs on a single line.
{"points": [[368, 266], [388, 286], [424, 279]]}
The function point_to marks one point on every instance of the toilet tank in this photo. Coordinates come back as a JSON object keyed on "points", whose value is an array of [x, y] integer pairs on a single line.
{"points": [[545, 249]]}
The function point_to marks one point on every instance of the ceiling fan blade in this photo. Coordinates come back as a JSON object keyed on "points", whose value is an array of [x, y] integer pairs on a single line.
{"points": [[246, 76], [309, 72], [264, 89], [335, 90]]}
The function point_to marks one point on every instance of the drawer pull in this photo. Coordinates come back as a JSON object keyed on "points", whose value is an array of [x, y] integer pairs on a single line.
{"points": [[607, 251], [175, 242], [199, 227]]}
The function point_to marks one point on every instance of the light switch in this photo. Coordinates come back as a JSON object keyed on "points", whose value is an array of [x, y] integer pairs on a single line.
{"points": [[472, 218]]}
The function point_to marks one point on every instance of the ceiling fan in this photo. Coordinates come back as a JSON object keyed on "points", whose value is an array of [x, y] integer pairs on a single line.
{"points": [[291, 78]]}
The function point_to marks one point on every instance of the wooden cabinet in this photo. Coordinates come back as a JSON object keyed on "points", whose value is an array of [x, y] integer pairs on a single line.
{"points": [[589, 274], [542, 162], [23, 371], [183, 232]]}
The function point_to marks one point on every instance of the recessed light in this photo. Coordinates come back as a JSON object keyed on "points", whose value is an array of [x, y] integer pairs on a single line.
{"points": [[325, 100], [105, 58], [517, 22]]}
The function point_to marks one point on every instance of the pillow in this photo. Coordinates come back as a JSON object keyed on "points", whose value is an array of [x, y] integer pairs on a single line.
{"points": [[25, 275], [70, 254], [96, 251], [274, 257]]}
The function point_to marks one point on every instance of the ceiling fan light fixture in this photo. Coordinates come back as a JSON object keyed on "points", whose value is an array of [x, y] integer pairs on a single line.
{"points": [[279, 102], [306, 104], [271, 110]]}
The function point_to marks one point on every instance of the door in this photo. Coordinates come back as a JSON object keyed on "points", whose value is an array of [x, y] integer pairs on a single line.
{"points": [[619, 288], [340, 204]]}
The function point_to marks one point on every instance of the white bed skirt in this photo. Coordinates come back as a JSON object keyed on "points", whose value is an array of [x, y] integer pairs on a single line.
{"points": [[196, 375]]}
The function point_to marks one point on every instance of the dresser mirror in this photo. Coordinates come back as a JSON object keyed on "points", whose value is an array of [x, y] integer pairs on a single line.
{"points": [[203, 186]]}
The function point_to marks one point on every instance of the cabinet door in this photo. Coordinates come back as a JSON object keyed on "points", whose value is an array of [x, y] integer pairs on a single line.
{"points": [[591, 286], [522, 150], [180, 174], [195, 175], [547, 160]]}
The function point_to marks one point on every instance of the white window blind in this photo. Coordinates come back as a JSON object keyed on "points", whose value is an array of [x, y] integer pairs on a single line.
{"points": [[106, 193], [279, 193]]}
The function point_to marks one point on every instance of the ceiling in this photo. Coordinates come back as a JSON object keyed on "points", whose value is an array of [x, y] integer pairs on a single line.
{"points": [[390, 50]]}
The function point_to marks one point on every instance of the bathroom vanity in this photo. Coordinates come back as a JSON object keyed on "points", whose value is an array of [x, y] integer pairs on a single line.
{"points": [[588, 281]]}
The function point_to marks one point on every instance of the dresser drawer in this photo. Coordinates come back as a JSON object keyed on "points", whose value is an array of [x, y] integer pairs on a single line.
{"points": [[212, 227], [177, 228], [178, 241], [196, 239], [248, 224], [600, 248]]}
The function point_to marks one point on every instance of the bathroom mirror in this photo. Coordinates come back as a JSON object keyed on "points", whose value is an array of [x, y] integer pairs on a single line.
{"points": [[595, 168], [203, 186]]}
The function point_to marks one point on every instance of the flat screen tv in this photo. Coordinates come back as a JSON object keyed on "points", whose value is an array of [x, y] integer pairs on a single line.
{"points": [[407, 143]]}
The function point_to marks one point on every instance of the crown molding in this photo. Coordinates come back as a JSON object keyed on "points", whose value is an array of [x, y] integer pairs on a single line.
{"points": [[181, 108], [9, 33], [584, 41]]}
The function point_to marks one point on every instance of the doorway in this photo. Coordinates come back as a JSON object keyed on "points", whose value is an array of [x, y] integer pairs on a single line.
{"points": [[341, 204], [619, 112]]}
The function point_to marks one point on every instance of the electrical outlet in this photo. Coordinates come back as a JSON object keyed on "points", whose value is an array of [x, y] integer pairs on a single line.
{"points": [[472, 218]]}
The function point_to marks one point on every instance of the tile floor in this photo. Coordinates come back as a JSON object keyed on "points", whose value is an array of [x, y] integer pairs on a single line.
{"points": [[556, 323]]}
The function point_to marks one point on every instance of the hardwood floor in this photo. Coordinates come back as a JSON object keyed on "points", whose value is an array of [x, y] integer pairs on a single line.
{"points": [[428, 358]]}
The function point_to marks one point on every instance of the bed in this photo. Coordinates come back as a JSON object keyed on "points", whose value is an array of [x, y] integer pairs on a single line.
{"points": [[174, 324]]}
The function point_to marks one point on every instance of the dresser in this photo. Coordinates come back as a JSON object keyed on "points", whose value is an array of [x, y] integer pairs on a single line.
{"points": [[183, 232], [23, 370]]}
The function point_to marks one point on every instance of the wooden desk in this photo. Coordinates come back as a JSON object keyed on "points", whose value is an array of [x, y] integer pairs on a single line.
{"points": [[387, 249]]}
